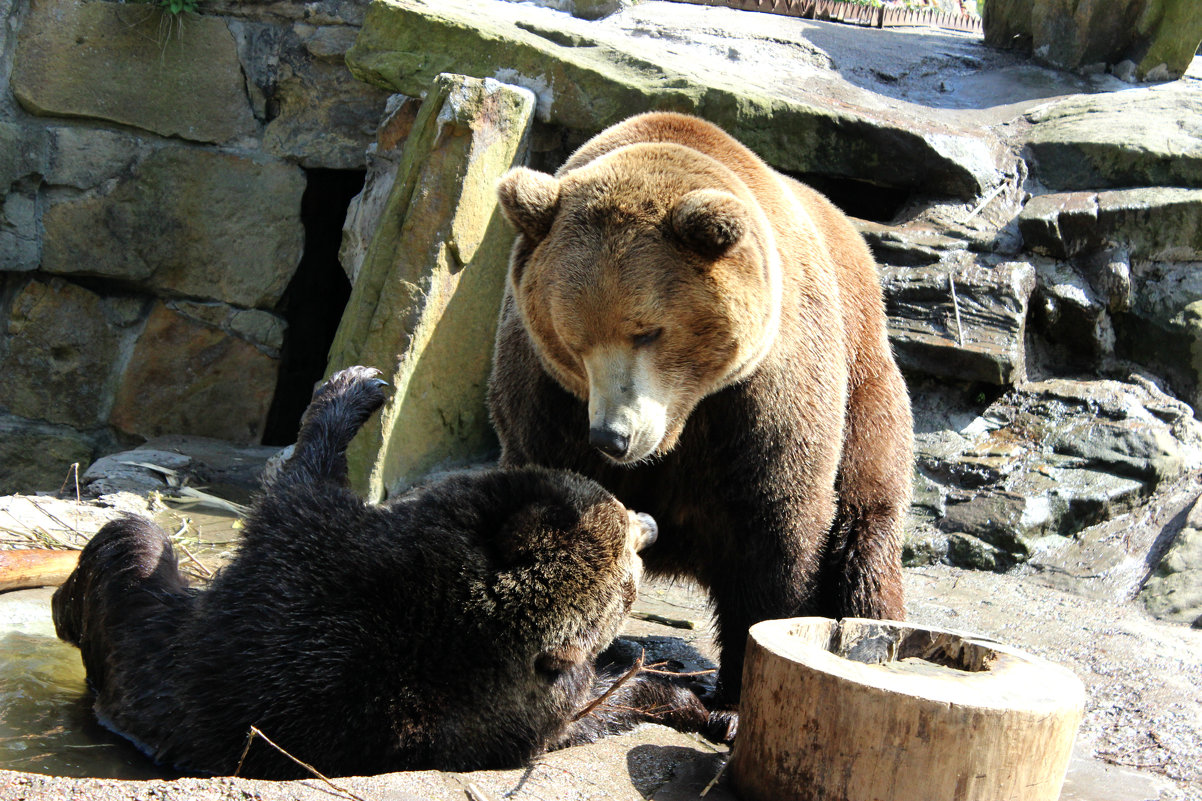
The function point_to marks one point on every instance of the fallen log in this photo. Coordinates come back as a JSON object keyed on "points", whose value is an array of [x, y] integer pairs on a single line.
{"points": [[35, 567], [869, 710]]}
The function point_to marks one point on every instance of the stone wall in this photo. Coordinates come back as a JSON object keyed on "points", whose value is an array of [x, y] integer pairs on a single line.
{"points": [[152, 170]]}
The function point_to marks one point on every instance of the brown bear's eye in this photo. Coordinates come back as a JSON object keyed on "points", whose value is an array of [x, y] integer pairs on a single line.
{"points": [[645, 339]]}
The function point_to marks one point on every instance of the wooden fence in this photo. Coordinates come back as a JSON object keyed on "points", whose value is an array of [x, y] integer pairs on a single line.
{"points": [[853, 13]]}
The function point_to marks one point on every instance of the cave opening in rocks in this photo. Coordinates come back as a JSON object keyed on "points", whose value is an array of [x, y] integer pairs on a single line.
{"points": [[314, 301], [860, 199]]}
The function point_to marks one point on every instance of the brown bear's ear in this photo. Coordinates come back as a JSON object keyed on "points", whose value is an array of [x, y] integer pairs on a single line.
{"points": [[529, 200], [709, 221]]}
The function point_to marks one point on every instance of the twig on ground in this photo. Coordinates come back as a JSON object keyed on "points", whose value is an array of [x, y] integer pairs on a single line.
{"points": [[596, 702], [657, 669], [67, 526], [254, 732], [951, 282], [674, 622], [73, 470], [203, 567], [714, 780], [985, 201], [476, 793]]}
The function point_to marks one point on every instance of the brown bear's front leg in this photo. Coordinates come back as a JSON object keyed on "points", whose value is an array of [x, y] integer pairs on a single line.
{"points": [[863, 569]]}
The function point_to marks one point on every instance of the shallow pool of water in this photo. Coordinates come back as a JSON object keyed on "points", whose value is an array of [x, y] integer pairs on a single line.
{"points": [[46, 720]]}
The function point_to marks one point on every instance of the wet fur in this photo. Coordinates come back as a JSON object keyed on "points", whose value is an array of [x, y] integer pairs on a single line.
{"points": [[454, 628]]}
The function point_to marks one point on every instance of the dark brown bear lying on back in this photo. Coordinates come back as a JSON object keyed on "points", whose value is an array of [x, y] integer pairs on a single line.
{"points": [[454, 628]]}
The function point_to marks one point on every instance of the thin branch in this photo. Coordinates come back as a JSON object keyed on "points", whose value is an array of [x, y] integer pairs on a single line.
{"points": [[985, 202], [674, 622], [73, 470], [596, 702], [714, 780], [254, 732], [203, 567], [655, 668], [951, 282], [476, 793]]}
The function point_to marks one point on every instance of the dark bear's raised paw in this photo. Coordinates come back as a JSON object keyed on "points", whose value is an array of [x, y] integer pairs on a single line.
{"points": [[338, 410]]}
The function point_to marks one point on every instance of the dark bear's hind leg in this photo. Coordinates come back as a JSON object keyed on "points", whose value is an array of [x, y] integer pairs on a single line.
{"points": [[122, 607]]}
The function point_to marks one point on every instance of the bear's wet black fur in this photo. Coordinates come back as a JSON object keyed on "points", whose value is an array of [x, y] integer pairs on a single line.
{"points": [[453, 628]]}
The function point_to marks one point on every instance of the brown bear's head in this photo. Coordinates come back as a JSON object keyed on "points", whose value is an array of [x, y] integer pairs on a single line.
{"points": [[647, 279]]}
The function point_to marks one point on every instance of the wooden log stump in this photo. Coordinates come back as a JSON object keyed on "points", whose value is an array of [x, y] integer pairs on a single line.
{"points": [[870, 710], [35, 567]]}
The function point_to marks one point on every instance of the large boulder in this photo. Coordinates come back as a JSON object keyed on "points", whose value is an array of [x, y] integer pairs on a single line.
{"points": [[133, 64], [588, 75], [959, 318], [1153, 40], [191, 373], [317, 113], [37, 456], [185, 222], [1048, 459], [61, 349], [1150, 136], [424, 305]]}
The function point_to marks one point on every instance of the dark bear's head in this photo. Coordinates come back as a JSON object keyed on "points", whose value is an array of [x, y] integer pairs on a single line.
{"points": [[549, 567]]}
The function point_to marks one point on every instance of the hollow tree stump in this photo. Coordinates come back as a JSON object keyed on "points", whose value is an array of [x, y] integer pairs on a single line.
{"points": [[869, 710]]}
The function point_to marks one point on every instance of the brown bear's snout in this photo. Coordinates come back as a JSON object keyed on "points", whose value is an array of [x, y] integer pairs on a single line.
{"points": [[610, 441]]}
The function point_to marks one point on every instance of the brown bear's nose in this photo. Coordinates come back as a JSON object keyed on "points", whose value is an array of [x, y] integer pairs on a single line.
{"points": [[608, 441]]}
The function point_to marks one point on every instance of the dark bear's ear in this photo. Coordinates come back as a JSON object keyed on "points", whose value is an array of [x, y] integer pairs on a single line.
{"points": [[529, 200], [709, 221], [558, 660]]}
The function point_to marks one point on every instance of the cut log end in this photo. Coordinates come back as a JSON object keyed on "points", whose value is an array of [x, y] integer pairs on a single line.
{"points": [[866, 709]]}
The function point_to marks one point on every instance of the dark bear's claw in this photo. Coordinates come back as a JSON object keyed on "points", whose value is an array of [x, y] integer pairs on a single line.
{"points": [[360, 386]]}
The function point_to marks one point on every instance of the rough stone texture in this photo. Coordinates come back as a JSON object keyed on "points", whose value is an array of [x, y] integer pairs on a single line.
{"points": [[383, 159], [424, 307], [1069, 311], [317, 113], [1049, 458], [134, 65], [198, 461], [35, 456], [1174, 591], [1007, 23], [186, 222], [1140, 137], [1157, 37], [186, 377], [985, 342], [1158, 224], [61, 349], [590, 75], [20, 151], [1163, 329]]}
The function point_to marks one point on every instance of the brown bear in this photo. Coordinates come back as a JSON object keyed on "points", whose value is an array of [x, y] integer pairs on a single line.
{"points": [[706, 337], [454, 628]]}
